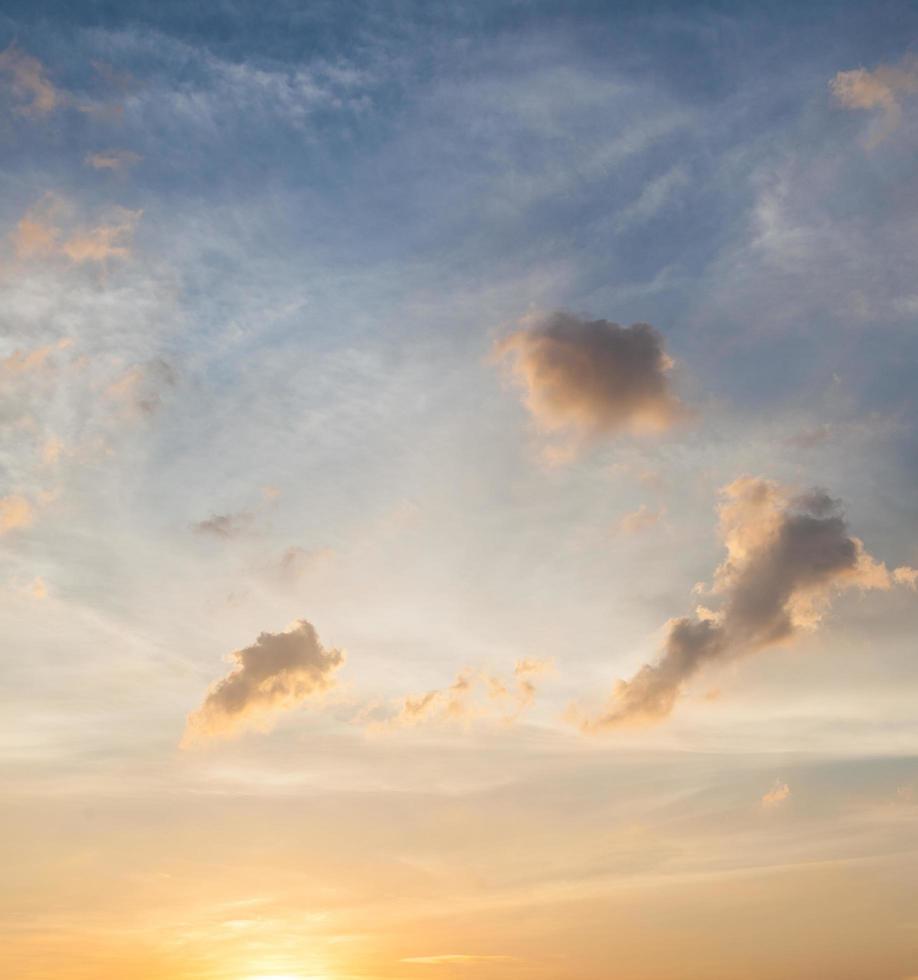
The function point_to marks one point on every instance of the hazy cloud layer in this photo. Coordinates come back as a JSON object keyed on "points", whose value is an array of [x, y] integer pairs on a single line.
{"points": [[880, 89], [278, 671], [593, 377], [787, 556]]}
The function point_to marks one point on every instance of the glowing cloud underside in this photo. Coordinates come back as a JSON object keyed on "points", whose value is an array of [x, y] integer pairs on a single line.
{"points": [[278, 671]]}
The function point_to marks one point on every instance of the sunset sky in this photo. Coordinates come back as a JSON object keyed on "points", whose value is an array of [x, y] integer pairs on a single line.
{"points": [[458, 512]]}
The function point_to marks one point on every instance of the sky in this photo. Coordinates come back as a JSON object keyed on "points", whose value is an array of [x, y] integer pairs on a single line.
{"points": [[457, 468]]}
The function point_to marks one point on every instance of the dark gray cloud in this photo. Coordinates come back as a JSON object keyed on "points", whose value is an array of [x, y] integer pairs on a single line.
{"points": [[225, 525], [594, 377], [786, 557], [278, 671]]}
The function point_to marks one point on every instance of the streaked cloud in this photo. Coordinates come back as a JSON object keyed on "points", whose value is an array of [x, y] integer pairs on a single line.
{"points": [[460, 958], [47, 230], [592, 377], [788, 555], [638, 520], [277, 672], [114, 160]]}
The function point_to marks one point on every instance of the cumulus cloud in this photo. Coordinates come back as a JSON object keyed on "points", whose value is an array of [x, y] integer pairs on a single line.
{"points": [[777, 795], [473, 694], [15, 512], [35, 94], [593, 377], [880, 89], [787, 556], [277, 672]]}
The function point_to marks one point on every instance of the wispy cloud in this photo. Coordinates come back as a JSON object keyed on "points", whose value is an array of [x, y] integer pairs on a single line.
{"points": [[47, 230], [882, 88], [114, 160], [474, 694], [35, 94]]}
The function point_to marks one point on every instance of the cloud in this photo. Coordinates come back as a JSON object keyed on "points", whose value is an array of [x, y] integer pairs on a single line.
{"points": [[15, 512], [225, 525], [114, 160], [638, 520], [140, 388], [39, 234], [277, 672], [30, 85], [777, 795], [878, 89], [473, 694], [25, 362], [593, 377], [787, 556]]}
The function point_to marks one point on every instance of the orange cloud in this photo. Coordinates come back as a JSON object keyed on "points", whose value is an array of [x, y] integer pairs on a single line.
{"points": [[36, 95], [777, 795], [15, 512], [473, 694], [787, 556], [277, 672], [38, 235], [878, 89]]}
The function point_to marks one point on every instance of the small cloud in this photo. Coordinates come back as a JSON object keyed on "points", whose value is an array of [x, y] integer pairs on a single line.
{"points": [[593, 378], [15, 512], [113, 160], [30, 85], [225, 525], [880, 89], [294, 562], [141, 387], [778, 794], [277, 672], [810, 438], [638, 520], [473, 694], [40, 234], [903, 575]]}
